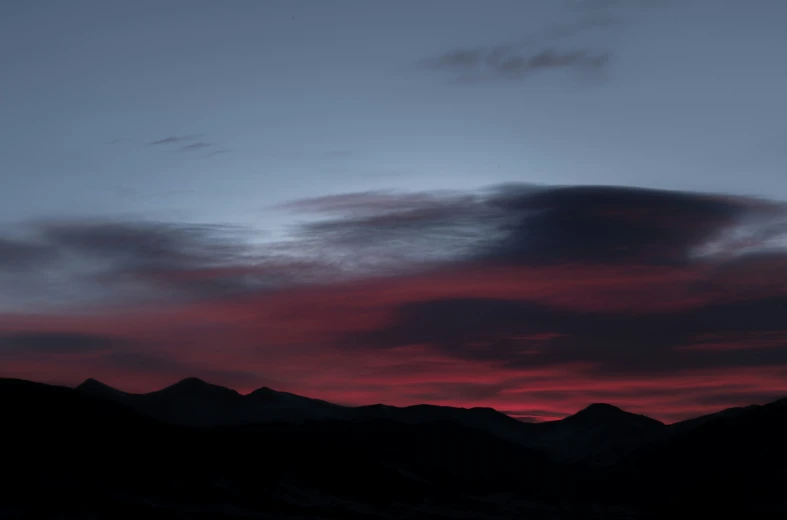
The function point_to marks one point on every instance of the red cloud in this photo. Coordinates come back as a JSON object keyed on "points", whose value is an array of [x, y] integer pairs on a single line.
{"points": [[291, 339]]}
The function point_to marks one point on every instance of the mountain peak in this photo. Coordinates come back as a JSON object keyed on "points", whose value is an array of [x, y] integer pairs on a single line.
{"points": [[192, 381], [602, 408], [604, 412], [97, 388], [264, 393], [196, 385], [91, 383]]}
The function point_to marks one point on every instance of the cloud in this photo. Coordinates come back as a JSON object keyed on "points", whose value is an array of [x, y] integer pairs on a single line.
{"points": [[91, 261], [200, 145], [142, 243], [375, 202], [611, 225], [541, 51], [605, 342], [174, 139], [564, 46], [532, 299], [503, 63], [43, 343], [604, 225], [21, 255], [188, 143]]}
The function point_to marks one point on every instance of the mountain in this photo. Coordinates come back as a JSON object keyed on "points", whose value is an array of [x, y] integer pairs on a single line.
{"points": [[287, 407], [599, 434], [85, 453], [690, 424], [485, 419], [193, 402], [35, 407], [728, 459], [89, 457]]}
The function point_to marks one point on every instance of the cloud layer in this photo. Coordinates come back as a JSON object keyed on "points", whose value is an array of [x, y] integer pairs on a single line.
{"points": [[533, 300]]}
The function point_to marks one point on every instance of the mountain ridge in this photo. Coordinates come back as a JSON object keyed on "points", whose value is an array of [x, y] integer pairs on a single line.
{"points": [[600, 434], [400, 456], [592, 410]]}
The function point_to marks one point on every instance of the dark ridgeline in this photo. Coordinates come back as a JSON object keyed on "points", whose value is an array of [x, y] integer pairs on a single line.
{"points": [[196, 450]]}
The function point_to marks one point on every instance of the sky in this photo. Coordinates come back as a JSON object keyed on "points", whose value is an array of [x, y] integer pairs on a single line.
{"points": [[532, 205]]}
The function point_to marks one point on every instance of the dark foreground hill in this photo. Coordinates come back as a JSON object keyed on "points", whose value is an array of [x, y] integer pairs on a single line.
{"points": [[73, 454]]}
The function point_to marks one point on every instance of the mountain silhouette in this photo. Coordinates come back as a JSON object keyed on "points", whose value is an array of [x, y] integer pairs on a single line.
{"points": [[599, 434], [194, 402], [196, 450], [731, 453]]}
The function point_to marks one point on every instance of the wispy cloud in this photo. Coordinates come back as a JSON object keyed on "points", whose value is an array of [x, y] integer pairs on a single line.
{"points": [[200, 145], [505, 63], [536, 52], [173, 139], [188, 143]]}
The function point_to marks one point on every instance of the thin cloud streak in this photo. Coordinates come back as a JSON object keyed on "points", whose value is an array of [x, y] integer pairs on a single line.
{"points": [[174, 139], [197, 146]]}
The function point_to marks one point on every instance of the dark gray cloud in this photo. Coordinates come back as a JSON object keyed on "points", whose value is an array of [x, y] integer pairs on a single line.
{"points": [[19, 254], [613, 343], [44, 343], [90, 261], [148, 244], [541, 225], [610, 224], [94, 260]]}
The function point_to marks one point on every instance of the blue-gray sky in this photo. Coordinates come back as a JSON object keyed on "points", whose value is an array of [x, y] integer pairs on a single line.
{"points": [[307, 98], [525, 204]]}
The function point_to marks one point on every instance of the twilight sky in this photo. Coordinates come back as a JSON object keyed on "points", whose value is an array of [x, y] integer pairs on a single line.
{"points": [[525, 204]]}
